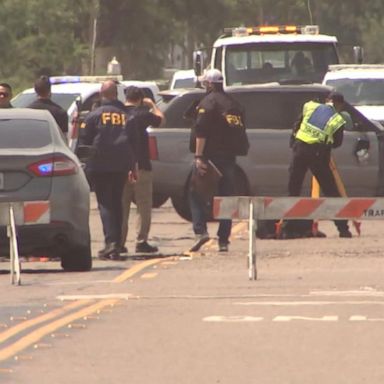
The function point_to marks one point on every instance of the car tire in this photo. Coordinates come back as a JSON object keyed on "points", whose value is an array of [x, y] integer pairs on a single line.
{"points": [[77, 259], [181, 204], [158, 200]]}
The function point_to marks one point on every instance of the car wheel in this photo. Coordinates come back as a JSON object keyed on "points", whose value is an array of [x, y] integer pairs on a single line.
{"points": [[77, 259], [158, 200], [181, 204]]}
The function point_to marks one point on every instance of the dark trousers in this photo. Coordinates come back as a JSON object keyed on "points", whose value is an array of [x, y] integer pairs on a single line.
{"points": [[108, 187], [314, 157], [201, 209]]}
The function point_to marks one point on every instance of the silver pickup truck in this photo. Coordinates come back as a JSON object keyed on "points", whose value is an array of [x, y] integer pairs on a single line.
{"points": [[270, 113]]}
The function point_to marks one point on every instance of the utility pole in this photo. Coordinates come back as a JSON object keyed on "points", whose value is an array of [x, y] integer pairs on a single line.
{"points": [[94, 16]]}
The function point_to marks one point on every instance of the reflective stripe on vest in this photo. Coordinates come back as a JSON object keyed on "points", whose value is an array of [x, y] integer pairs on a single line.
{"points": [[319, 124]]}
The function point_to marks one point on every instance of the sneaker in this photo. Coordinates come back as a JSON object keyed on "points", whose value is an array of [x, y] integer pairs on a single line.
{"points": [[199, 242], [347, 233], [223, 247], [114, 256], [144, 247], [110, 252], [123, 250]]}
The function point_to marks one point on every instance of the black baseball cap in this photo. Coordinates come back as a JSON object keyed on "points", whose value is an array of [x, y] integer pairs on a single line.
{"points": [[336, 97]]}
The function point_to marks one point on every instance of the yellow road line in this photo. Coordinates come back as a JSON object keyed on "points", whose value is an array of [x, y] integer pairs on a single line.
{"points": [[149, 275], [39, 333], [40, 319], [138, 268]]}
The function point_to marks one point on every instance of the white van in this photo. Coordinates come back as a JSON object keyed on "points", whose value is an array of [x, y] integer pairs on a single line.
{"points": [[185, 78], [362, 86]]}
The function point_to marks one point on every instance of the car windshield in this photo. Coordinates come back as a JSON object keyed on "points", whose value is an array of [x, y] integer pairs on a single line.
{"points": [[24, 133], [360, 92], [278, 62], [65, 100], [185, 83]]}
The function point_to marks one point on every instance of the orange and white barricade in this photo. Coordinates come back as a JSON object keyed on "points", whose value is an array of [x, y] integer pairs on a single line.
{"points": [[274, 208], [21, 213]]}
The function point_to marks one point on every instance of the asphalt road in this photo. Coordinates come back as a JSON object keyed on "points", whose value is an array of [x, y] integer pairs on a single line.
{"points": [[315, 314]]}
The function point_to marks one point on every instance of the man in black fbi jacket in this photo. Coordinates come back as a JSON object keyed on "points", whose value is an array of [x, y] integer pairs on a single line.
{"points": [[111, 134], [43, 91]]}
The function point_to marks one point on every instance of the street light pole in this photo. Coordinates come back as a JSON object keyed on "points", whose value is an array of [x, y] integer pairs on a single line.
{"points": [[95, 14]]}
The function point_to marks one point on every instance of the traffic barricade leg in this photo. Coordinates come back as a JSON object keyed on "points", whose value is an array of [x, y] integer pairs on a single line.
{"points": [[13, 249], [252, 269]]}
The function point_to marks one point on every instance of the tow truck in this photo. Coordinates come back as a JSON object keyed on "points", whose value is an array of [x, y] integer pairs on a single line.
{"points": [[287, 54]]}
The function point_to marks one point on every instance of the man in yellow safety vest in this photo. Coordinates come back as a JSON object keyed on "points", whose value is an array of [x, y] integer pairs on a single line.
{"points": [[319, 130]]}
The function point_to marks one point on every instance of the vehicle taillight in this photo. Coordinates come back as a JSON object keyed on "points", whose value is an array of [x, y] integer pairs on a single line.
{"points": [[75, 126], [54, 166], [153, 151]]}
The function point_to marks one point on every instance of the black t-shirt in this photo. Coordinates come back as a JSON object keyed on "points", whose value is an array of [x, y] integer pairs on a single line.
{"points": [[59, 114], [211, 124], [143, 119]]}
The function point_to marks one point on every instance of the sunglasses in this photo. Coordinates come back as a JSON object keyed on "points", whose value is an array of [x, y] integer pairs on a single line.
{"points": [[4, 94]]}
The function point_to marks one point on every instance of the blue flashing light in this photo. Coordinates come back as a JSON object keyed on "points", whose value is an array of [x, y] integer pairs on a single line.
{"points": [[45, 169], [64, 79], [83, 79]]}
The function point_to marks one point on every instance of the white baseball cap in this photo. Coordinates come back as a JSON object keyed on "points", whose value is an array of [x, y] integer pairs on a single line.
{"points": [[212, 76]]}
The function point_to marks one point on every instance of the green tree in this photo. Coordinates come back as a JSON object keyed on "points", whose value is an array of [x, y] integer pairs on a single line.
{"points": [[41, 36], [138, 31], [55, 36], [371, 23]]}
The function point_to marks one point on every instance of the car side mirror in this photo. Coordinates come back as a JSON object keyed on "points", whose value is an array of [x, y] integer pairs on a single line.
{"points": [[198, 62], [362, 150]]}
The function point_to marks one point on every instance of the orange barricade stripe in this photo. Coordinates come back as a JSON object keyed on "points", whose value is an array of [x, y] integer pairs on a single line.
{"points": [[304, 208], [267, 201], [355, 208], [34, 210]]}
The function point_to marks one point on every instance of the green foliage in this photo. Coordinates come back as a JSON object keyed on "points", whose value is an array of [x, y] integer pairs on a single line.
{"points": [[39, 36], [55, 36]]}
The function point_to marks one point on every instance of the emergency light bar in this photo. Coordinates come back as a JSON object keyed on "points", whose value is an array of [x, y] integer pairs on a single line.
{"points": [[83, 79], [272, 29]]}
